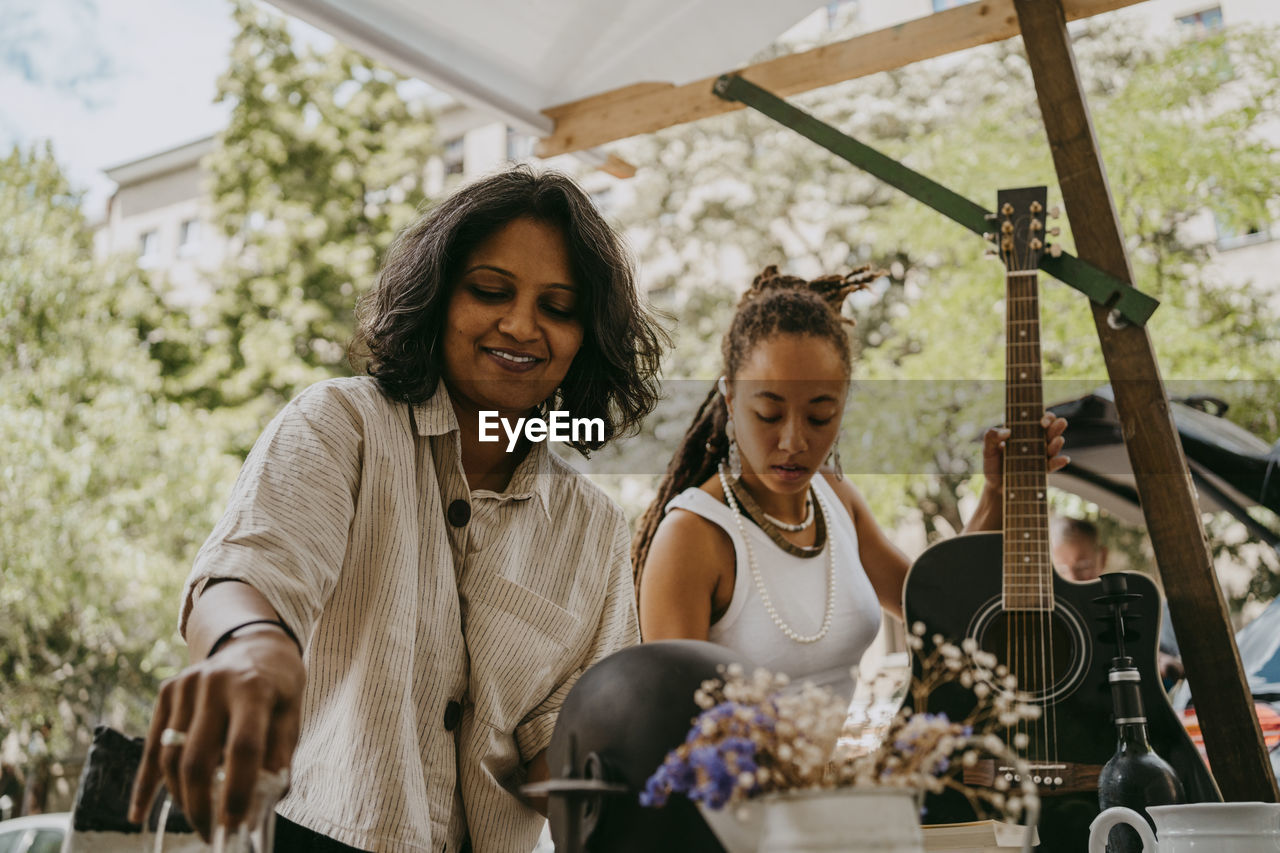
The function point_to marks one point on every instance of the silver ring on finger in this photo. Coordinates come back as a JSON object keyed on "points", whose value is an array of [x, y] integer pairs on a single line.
{"points": [[172, 737]]}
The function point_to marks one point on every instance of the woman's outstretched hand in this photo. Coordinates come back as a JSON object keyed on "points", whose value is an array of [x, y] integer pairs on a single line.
{"points": [[993, 442], [239, 709]]}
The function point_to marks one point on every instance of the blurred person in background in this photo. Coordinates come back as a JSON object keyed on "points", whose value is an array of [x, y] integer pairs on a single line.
{"points": [[1079, 555]]}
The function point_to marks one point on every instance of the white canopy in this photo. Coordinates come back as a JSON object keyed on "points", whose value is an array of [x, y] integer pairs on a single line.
{"points": [[518, 57], [580, 74]]}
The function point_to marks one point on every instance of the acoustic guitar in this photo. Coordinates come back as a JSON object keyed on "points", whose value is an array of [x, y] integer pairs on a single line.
{"points": [[1055, 635]]}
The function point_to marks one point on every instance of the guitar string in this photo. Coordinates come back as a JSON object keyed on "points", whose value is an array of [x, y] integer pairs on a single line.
{"points": [[1027, 677], [1034, 406], [1011, 654], [1018, 636], [1038, 682], [1039, 679], [1049, 727], [1046, 572]]}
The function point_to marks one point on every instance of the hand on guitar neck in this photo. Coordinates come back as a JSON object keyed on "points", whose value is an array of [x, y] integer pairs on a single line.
{"points": [[990, 512]]}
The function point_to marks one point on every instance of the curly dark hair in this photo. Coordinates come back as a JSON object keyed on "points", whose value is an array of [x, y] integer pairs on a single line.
{"points": [[401, 320], [774, 304]]}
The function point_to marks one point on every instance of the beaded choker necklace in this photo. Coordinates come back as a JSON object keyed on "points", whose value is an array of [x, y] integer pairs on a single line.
{"points": [[794, 528], [765, 598], [754, 512]]}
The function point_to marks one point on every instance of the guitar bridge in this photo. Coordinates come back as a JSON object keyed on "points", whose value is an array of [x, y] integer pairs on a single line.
{"points": [[1049, 777]]}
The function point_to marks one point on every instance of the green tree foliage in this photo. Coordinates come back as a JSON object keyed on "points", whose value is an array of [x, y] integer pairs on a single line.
{"points": [[107, 487], [321, 164], [123, 422], [1180, 125]]}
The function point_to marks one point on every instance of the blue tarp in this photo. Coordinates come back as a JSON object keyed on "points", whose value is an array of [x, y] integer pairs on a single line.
{"points": [[1259, 643]]}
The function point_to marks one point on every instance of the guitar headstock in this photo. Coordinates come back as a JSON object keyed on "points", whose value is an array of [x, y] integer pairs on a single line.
{"points": [[1020, 240]]}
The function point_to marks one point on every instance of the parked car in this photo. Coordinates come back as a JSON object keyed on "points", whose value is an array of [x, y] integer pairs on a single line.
{"points": [[1259, 644], [1268, 719], [41, 833], [1232, 470]]}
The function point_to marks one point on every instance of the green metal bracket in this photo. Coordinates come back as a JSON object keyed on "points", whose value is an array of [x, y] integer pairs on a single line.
{"points": [[1125, 300]]}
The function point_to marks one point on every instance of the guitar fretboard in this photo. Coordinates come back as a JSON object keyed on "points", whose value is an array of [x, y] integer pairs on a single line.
{"points": [[1028, 571]]}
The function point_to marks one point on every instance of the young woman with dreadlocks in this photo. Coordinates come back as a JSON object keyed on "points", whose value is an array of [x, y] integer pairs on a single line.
{"points": [[754, 543]]}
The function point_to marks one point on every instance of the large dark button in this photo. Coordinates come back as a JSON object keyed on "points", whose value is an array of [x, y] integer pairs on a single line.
{"points": [[459, 513], [452, 715]]}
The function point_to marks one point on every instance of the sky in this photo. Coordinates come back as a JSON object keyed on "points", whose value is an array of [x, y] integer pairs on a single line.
{"points": [[109, 81]]}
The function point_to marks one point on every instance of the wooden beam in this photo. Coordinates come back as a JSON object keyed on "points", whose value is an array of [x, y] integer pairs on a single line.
{"points": [[619, 168], [1232, 736], [648, 107]]}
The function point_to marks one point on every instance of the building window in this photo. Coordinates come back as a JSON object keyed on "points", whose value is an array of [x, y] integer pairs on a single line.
{"points": [[1230, 237], [943, 5], [149, 245], [453, 156], [519, 146], [188, 236], [1205, 23]]}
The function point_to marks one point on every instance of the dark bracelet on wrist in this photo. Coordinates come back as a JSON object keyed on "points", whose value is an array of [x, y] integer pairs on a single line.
{"points": [[230, 634]]}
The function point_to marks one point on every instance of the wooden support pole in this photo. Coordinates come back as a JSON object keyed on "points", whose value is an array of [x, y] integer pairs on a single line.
{"points": [[1232, 736]]}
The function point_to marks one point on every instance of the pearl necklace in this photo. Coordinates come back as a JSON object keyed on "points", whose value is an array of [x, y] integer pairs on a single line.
{"points": [[793, 528], [786, 629]]}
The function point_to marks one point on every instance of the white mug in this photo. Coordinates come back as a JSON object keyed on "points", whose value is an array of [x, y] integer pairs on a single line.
{"points": [[1196, 828]]}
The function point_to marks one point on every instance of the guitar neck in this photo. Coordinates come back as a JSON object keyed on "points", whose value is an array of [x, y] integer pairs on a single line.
{"points": [[1028, 569]]}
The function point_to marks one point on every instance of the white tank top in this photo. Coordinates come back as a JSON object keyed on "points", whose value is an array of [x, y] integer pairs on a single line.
{"points": [[798, 588]]}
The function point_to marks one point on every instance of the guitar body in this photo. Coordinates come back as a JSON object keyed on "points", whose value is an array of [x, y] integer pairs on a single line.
{"points": [[1062, 657]]}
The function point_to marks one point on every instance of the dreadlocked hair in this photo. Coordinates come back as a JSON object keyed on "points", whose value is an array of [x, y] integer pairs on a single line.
{"points": [[774, 304]]}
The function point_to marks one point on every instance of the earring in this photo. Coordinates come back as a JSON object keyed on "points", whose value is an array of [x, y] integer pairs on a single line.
{"points": [[833, 458], [735, 459]]}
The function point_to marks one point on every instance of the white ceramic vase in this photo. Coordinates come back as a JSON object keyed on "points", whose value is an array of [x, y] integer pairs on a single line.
{"points": [[737, 828], [852, 820]]}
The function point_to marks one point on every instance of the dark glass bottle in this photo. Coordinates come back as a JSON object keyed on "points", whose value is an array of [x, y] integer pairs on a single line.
{"points": [[1135, 776]]}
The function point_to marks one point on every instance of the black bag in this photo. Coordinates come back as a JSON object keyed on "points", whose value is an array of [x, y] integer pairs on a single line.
{"points": [[99, 818]]}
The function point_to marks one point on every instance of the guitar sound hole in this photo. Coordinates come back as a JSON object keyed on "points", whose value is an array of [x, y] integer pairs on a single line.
{"points": [[1044, 650]]}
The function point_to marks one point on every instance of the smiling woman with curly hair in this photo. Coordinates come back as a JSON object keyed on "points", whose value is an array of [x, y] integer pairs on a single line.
{"points": [[402, 320], [392, 606]]}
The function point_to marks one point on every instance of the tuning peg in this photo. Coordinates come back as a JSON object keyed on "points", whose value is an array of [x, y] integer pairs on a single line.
{"points": [[1036, 225], [988, 236], [1055, 212], [1006, 228], [1055, 250], [1035, 244], [1006, 244], [991, 217], [1055, 231], [991, 252], [1036, 207], [1007, 209]]}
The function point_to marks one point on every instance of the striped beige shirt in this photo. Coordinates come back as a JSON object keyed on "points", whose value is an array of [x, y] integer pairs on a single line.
{"points": [[443, 627]]}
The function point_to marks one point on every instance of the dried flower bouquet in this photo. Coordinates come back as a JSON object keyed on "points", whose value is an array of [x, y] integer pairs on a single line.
{"points": [[758, 735]]}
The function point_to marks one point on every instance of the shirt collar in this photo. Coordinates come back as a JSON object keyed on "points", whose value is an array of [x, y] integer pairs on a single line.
{"points": [[435, 415], [532, 477]]}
